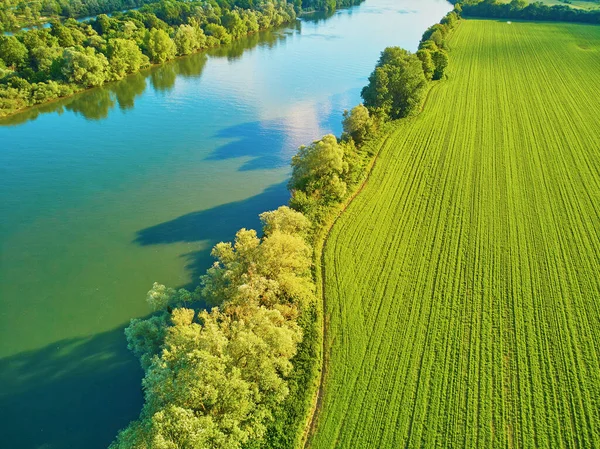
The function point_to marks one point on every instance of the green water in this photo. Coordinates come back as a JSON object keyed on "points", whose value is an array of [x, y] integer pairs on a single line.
{"points": [[106, 192]]}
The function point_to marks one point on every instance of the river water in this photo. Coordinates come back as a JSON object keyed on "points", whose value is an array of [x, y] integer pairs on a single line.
{"points": [[108, 191]]}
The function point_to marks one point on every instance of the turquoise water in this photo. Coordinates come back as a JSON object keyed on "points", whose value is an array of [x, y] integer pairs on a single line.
{"points": [[106, 192]]}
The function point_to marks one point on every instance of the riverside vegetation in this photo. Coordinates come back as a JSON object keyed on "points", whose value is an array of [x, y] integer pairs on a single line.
{"points": [[39, 65], [244, 373]]}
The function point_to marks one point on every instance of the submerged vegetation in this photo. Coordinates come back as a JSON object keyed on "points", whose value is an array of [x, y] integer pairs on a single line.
{"points": [[39, 65]]}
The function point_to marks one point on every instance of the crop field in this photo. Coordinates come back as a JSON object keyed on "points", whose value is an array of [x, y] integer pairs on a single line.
{"points": [[463, 283]]}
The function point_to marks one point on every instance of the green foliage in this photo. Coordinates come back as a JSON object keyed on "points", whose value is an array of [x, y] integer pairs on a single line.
{"points": [[215, 381], [125, 57], [358, 124], [462, 282], [19, 13], [189, 39], [12, 52], [397, 86], [145, 338], [285, 220], [426, 59], [64, 53], [520, 10], [275, 269], [218, 32], [317, 172], [159, 46], [440, 61], [83, 66], [234, 24]]}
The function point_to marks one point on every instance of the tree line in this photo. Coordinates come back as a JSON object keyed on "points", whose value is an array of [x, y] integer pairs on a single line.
{"points": [[521, 10], [16, 14], [241, 375], [39, 65]]}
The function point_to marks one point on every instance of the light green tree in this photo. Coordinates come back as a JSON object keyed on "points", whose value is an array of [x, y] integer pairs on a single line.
{"points": [[285, 220], [317, 170], [397, 86], [125, 57], [83, 66], [268, 271], [145, 337], [440, 60], [159, 46], [424, 56], [234, 24], [186, 40], [215, 381], [218, 32], [358, 124], [12, 52]]}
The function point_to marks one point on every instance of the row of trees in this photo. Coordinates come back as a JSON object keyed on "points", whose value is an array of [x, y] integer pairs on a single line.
{"points": [[15, 14], [398, 84], [39, 65], [214, 378], [521, 10], [42, 64]]}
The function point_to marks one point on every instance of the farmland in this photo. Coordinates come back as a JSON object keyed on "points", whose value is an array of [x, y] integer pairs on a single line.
{"points": [[462, 285]]}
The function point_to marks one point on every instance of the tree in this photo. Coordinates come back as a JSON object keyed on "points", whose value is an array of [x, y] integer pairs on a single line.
{"points": [[145, 338], [424, 56], [317, 170], [440, 60], [215, 381], [83, 66], [285, 220], [218, 32], [438, 38], [268, 271], [159, 46], [12, 52], [186, 40], [358, 124], [125, 57], [234, 24], [397, 86]]}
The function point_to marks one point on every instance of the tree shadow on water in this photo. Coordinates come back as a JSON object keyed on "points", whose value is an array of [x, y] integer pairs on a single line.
{"points": [[262, 141], [75, 393], [213, 225]]}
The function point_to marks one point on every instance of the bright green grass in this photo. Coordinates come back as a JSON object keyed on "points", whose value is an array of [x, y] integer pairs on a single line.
{"points": [[463, 283]]}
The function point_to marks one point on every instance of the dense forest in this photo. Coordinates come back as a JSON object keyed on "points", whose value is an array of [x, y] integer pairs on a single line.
{"points": [[42, 64], [521, 10], [15, 14]]}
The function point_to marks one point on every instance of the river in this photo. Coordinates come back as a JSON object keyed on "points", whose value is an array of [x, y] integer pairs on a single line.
{"points": [[103, 193]]}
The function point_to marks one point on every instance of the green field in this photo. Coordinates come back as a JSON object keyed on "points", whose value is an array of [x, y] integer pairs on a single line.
{"points": [[463, 283]]}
